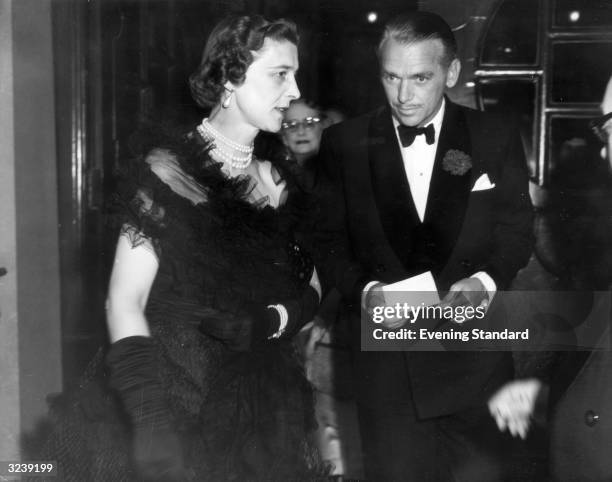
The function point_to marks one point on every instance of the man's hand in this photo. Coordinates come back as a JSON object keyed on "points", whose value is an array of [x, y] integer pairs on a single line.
{"points": [[466, 292], [375, 296], [513, 405]]}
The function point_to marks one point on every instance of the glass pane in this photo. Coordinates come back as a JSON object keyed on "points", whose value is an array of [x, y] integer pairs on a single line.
{"points": [[580, 71], [575, 159], [515, 97], [512, 35], [580, 14]]}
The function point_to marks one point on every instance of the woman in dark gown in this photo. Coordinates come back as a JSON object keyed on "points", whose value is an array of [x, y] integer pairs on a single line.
{"points": [[209, 284]]}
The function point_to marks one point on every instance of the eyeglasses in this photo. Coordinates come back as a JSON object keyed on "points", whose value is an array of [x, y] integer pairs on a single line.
{"points": [[602, 127], [308, 123]]}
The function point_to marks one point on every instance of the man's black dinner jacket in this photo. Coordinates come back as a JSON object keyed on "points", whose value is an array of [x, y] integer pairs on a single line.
{"points": [[372, 232]]}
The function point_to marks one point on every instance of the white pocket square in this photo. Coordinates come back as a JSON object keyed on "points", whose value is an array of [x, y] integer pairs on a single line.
{"points": [[483, 183]]}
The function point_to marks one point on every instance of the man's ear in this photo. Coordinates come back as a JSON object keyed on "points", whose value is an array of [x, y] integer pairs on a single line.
{"points": [[452, 74]]}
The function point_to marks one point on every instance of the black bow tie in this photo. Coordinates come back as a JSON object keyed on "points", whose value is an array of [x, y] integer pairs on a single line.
{"points": [[407, 134]]}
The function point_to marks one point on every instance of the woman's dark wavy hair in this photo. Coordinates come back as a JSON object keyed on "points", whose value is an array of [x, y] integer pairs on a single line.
{"points": [[227, 54]]}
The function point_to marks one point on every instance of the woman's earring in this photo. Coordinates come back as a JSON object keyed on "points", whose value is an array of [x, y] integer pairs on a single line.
{"points": [[228, 98]]}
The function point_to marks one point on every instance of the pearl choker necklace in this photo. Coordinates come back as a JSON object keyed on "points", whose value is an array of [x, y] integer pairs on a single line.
{"points": [[207, 131], [247, 149]]}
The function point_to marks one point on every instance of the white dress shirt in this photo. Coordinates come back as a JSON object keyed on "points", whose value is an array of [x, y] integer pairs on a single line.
{"points": [[419, 158]]}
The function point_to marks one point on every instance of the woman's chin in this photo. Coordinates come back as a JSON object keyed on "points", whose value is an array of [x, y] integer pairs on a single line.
{"points": [[273, 127], [303, 149]]}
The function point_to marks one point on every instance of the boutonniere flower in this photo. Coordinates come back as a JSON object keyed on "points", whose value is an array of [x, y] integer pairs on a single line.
{"points": [[456, 162]]}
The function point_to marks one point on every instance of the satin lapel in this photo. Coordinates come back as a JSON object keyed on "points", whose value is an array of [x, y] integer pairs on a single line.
{"points": [[391, 189], [448, 193]]}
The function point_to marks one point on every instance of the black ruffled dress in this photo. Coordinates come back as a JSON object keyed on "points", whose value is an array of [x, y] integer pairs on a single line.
{"points": [[242, 411]]}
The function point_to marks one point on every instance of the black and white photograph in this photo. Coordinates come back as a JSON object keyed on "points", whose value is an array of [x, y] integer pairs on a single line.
{"points": [[316, 241]]}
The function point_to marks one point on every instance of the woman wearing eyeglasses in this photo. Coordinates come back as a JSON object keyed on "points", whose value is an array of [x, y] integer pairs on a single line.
{"points": [[302, 129]]}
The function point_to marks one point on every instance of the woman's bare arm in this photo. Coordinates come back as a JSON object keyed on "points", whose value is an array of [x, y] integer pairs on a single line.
{"points": [[134, 270]]}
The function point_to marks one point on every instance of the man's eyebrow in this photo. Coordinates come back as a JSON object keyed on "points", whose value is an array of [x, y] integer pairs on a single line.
{"points": [[387, 71], [427, 73]]}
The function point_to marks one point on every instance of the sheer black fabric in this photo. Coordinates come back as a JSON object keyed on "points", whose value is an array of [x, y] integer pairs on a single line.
{"points": [[241, 406]]}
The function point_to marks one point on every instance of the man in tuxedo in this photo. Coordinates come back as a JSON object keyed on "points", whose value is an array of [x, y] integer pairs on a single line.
{"points": [[422, 184]]}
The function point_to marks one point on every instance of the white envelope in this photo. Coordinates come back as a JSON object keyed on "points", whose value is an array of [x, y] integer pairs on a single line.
{"points": [[419, 289], [483, 183]]}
